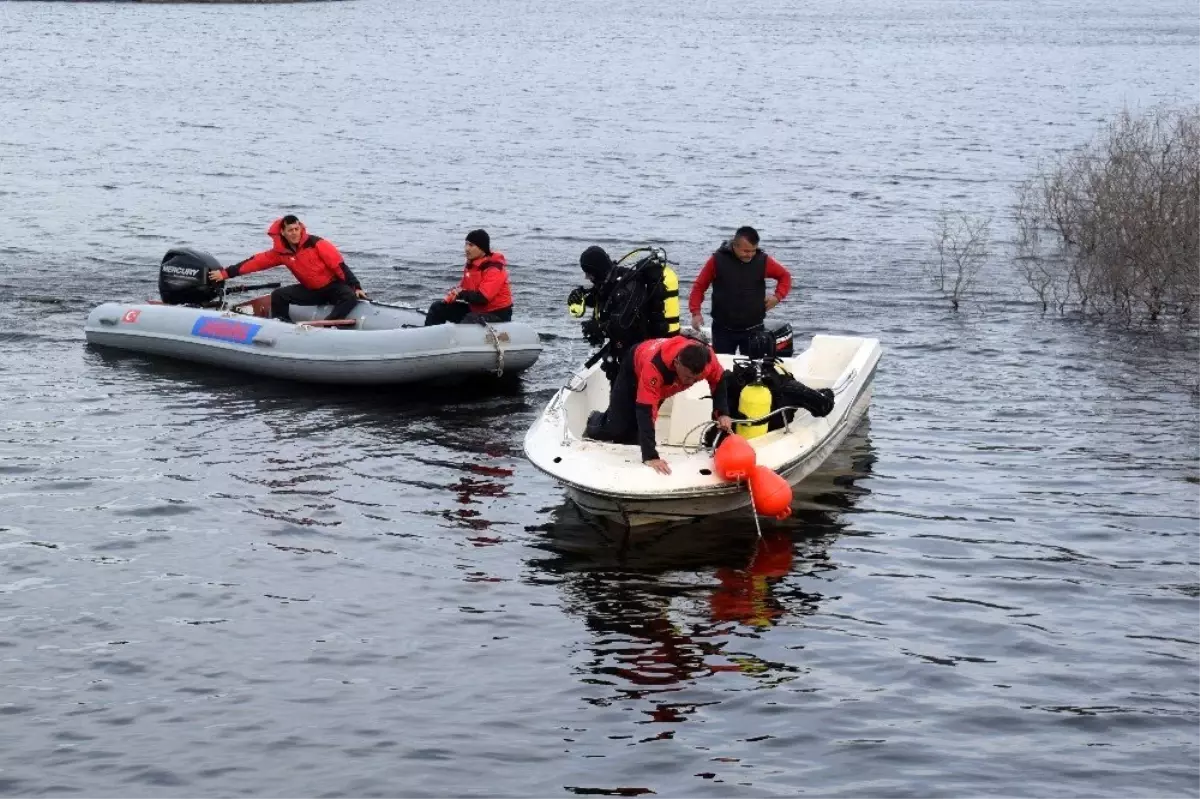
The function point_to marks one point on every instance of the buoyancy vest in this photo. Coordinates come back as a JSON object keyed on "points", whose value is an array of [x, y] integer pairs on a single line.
{"points": [[739, 290]]}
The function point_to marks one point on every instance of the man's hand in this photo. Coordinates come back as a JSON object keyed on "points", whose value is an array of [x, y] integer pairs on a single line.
{"points": [[725, 423], [697, 321], [772, 301], [659, 465], [453, 295], [362, 295], [216, 275]]}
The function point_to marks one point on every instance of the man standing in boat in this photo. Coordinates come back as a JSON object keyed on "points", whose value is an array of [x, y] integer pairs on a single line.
{"points": [[651, 373], [483, 294], [738, 273], [316, 263]]}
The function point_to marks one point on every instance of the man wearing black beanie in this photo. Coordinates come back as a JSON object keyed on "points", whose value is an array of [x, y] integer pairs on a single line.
{"points": [[483, 294], [481, 239]]}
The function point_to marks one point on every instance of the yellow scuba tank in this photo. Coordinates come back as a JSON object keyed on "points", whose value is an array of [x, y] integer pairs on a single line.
{"points": [[671, 303], [754, 403]]}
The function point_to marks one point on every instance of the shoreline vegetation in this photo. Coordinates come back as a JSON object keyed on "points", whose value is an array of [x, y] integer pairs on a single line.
{"points": [[1112, 228], [1107, 230]]}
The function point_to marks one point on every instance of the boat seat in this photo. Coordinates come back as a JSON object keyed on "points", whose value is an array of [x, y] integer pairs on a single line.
{"points": [[688, 411], [331, 323]]}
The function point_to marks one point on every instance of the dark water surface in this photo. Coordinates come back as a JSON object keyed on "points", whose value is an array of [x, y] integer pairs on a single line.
{"points": [[217, 585]]}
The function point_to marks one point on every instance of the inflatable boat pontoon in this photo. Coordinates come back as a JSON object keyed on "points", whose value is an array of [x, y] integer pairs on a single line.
{"points": [[378, 344]]}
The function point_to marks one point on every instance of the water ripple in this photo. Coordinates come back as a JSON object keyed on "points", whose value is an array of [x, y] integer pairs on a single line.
{"points": [[218, 584]]}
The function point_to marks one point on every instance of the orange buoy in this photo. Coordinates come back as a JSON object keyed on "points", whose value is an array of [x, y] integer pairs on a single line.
{"points": [[734, 458], [772, 494]]}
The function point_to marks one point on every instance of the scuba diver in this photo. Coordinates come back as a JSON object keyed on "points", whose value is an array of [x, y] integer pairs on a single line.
{"points": [[630, 303]]}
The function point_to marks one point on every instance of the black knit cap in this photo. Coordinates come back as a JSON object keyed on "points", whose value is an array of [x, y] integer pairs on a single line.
{"points": [[481, 239], [595, 261]]}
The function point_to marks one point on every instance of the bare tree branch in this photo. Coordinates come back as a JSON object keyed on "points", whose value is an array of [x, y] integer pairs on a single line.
{"points": [[962, 243]]}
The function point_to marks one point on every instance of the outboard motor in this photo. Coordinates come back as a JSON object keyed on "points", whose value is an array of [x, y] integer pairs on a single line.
{"points": [[183, 277], [760, 344], [784, 346]]}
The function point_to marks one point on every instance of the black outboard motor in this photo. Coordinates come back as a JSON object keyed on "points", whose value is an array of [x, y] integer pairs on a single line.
{"points": [[775, 343], [760, 344], [183, 277]]}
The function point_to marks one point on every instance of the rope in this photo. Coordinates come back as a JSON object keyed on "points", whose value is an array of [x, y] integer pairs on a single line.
{"points": [[495, 337], [845, 383], [753, 510], [760, 420], [787, 424]]}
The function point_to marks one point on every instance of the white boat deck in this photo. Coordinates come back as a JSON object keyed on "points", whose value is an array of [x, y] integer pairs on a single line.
{"points": [[615, 472]]}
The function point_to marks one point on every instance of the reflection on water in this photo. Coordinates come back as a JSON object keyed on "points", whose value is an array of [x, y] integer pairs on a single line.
{"points": [[668, 607], [324, 455]]}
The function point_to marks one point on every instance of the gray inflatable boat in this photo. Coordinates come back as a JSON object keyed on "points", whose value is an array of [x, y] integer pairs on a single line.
{"points": [[378, 344]]}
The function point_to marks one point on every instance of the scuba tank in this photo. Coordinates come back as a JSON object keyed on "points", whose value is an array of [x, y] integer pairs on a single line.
{"points": [[754, 403], [670, 282]]}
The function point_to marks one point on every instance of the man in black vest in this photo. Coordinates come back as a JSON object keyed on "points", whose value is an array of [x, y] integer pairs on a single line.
{"points": [[738, 273]]}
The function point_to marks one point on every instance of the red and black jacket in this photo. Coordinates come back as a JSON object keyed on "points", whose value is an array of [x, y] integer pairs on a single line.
{"points": [[484, 286], [653, 362], [315, 262], [739, 289]]}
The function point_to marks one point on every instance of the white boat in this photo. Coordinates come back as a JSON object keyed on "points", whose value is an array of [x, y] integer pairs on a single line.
{"points": [[609, 480]]}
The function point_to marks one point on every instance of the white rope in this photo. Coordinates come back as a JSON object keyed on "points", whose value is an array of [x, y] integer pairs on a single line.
{"points": [[754, 510], [700, 443], [787, 426], [845, 382]]}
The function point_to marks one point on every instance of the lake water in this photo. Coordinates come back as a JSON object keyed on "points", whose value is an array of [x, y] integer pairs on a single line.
{"points": [[212, 584]]}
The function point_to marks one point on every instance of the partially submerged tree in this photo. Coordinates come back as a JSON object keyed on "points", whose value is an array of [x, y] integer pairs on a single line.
{"points": [[962, 244], [1113, 228]]}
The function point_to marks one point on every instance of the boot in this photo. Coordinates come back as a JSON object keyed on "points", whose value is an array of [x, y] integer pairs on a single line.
{"points": [[595, 425]]}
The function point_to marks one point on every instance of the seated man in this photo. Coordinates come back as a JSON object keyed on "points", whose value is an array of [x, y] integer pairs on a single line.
{"points": [[629, 304], [483, 294], [653, 371], [316, 263]]}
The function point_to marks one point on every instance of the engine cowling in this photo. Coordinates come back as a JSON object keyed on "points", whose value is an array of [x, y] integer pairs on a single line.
{"points": [[183, 277]]}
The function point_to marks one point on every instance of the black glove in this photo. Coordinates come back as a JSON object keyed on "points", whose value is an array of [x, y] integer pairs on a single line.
{"points": [[611, 369], [829, 397], [577, 296], [593, 332]]}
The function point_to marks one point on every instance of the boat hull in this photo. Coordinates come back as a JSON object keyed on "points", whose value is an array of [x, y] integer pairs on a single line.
{"points": [[390, 346], [609, 480], [638, 511]]}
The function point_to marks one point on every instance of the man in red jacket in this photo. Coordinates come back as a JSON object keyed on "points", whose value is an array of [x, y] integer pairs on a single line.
{"points": [[738, 272], [483, 294], [653, 371], [316, 263]]}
